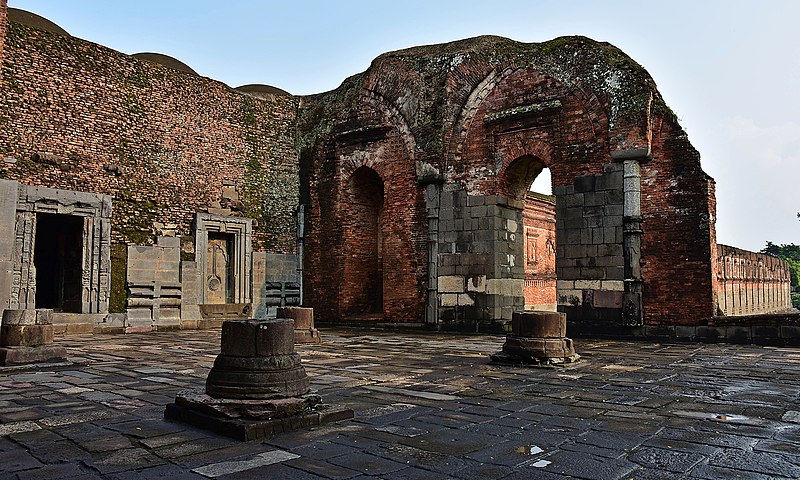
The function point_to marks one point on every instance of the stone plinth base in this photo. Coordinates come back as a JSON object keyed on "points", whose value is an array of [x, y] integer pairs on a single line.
{"points": [[26, 336], [304, 331], [538, 338], [252, 419]]}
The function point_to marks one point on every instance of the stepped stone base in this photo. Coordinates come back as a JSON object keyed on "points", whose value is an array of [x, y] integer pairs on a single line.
{"points": [[252, 419]]}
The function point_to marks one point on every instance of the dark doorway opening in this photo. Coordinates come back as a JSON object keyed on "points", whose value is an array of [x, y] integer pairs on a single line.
{"points": [[219, 268], [58, 257]]}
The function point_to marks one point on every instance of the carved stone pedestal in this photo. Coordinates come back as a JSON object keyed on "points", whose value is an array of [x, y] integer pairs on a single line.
{"points": [[304, 331], [538, 338], [26, 336], [257, 386]]}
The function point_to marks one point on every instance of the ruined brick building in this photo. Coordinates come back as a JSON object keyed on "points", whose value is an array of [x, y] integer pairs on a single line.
{"points": [[137, 195]]}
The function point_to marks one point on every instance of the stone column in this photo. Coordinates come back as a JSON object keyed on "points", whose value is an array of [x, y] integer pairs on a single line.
{"points": [[257, 361], [432, 207], [304, 331], [632, 233], [538, 338], [257, 386]]}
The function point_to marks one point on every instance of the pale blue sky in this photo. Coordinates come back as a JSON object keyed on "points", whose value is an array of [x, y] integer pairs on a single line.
{"points": [[730, 69]]}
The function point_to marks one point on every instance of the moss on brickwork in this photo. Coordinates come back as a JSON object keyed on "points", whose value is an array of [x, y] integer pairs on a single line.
{"points": [[623, 87], [119, 268], [162, 143]]}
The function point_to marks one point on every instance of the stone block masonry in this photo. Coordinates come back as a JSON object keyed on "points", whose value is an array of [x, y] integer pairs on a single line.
{"points": [[480, 259], [589, 229]]}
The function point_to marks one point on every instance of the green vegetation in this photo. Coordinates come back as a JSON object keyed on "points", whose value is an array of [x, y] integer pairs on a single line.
{"points": [[791, 254], [119, 297]]}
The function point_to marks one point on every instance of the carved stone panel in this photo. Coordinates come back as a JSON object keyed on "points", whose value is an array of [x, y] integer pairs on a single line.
{"points": [[223, 247]]}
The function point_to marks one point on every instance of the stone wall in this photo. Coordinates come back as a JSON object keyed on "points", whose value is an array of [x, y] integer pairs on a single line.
{"points": [[751, 283], [276, 283], [480, 260], [154, 283], [165, 144], [591, 264]]}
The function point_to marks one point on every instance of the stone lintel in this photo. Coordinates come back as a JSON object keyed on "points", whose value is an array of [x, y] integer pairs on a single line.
{"points": [[639, 154]]}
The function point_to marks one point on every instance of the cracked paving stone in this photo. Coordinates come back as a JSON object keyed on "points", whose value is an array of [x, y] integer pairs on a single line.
{"points": [[606, 439], [367, 463], [120, 460], [451, 442], [483, 471], [278, 471], [215, 470], [322, 450], [791, 449], [758, 462], [708, 438], [437, 462], [587, 467], [324, 469], [17, 460], [673, 461], [711, 472], [511, 453], [60, 471]]}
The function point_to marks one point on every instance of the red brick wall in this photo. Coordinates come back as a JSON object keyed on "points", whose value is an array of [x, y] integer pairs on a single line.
{"points": [[3, 26], [539, 243], [339, 262], [163, 143], [678, 226], [469, 109]]}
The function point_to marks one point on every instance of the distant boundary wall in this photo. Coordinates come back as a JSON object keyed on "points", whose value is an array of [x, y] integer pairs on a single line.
{"points": [[751, 283]]}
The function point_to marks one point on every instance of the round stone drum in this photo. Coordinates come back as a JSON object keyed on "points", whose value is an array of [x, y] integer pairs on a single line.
{"points": [[257, 361]]}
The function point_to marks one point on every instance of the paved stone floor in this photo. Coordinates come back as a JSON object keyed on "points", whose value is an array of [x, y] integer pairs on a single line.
{"points": [[426, 406]]}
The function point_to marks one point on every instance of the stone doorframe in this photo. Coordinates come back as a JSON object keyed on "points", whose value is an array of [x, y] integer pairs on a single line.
{"points": [[242, 230], [96, 256]]}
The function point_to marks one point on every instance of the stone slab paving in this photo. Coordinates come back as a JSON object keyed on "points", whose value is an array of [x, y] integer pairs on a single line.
{"points": [[426, 406]]}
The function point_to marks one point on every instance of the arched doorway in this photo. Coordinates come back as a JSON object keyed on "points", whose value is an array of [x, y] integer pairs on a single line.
{"points": [[362, 285], [528, 180]]}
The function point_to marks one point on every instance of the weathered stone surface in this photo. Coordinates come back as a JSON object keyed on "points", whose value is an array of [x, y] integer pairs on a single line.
{"points": [[26, 335], [40, 316], [538, 338], [22, 355], [539, 324], [259, 409], [257, 362], [304, 331]]}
